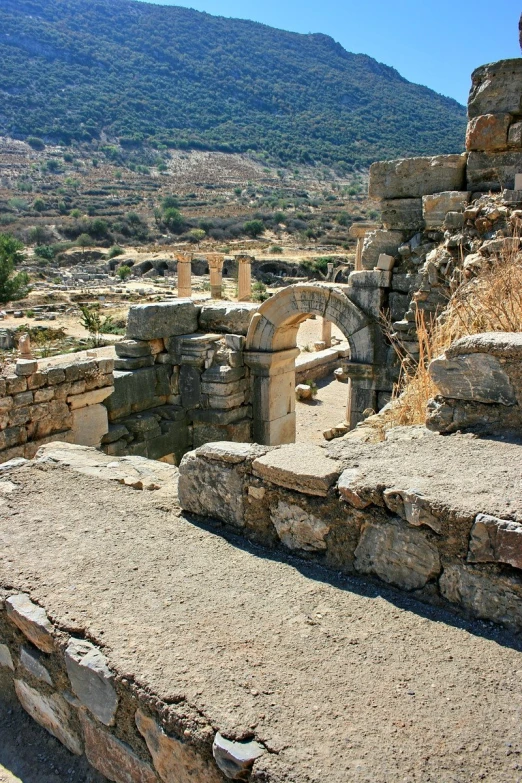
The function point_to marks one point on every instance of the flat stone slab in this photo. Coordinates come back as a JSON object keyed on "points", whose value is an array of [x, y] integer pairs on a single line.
{"points": [[302, 468]]}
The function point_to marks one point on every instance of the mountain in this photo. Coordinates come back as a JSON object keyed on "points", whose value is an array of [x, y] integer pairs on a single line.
{"points": [[83, 70]]}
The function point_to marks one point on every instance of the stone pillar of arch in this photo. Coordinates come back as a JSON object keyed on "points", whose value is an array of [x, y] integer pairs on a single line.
{"points": [[326, 333], [358, 231], [215, 265], [184, 275], [244, 280]]}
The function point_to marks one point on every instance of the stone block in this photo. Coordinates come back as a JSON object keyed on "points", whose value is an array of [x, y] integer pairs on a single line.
{"points": [[112, 757], [484, 595], [495, 89], [506, 345], [211, 489], [235, 759], [89, 425], [190, 386], [299, 529], [32, 620], [5, 657], [133, 391], [302, 468], [174, 761], [413, 507], [164, 319], [93, 397], [515, 135], [398, 555], [436, 207], [493, 170], [479, 377], [227, 317], [15, 384], [133, 349], [26, 366], [218, 402], [495, 540], [222, 373], [276, 431], [377, 242], [404, 214], [31, 661], [385, 262], [350, 489], [55, 375], [51, 712], [416, 177], [488, 132], [127, 364], [91, 680]]}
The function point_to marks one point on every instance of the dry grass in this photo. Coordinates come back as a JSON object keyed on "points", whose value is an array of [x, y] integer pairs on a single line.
{"points": [[490, 302]]}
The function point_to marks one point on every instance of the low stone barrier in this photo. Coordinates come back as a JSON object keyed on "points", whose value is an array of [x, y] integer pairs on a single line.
{"points": [[40, 404], [480, 383], [302, 499]]}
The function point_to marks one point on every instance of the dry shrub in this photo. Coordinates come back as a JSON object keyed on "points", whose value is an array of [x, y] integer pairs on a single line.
{"points": [[489, 302]]}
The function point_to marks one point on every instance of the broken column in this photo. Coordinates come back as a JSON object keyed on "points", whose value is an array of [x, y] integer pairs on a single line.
{"points": [[326, 333], [244, 284], [215, 265], [358, 231], [184, 275]]}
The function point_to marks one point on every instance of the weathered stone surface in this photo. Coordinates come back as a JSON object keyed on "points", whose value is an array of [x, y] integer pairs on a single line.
{"points": [[235, 759], [51, 712], [377, 242], [231, 452], [31, 620], [507, 345], [416, 177], [134, 349], [404, 214], [497, 598], [26, 366], [5, 657], [89, 425], [495, 540], [299, 529], [436, 207], [495, 88], [211, 489], [91, 679], [113, 758], [488, 132], [232, 318], [515, 135], [413, 507], [93, 397], [398, 555], [174, 761], [477, 376], [165, 319], [296, 466], [350, 490], [32, 662], [126, 364], [493, 170]]}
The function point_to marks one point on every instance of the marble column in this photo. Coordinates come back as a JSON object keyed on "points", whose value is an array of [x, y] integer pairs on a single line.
{"points": [[184, 275], [244, 282], [215, 265]]}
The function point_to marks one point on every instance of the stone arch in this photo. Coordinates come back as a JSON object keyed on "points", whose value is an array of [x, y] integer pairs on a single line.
{"points": [[271, 350]]}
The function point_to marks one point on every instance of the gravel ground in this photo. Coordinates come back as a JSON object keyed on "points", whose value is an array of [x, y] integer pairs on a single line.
{"points": [[343, 681]]}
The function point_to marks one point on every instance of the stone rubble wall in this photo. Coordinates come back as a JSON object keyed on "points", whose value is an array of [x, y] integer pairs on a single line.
{"points": [[40, 404], [67, 685], [479, 380], [298, 499]]}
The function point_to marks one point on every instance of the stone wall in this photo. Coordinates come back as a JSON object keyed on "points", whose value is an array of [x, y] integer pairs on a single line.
{"points": [[67, 685], [39, 404], [302, 499], [479, 380]]}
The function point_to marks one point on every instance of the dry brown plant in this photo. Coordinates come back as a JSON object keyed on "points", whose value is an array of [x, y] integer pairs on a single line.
{"points": [[489, 302]]}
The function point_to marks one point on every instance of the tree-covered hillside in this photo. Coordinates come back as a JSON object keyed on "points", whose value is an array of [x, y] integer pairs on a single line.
{"points": [[79, 69]]}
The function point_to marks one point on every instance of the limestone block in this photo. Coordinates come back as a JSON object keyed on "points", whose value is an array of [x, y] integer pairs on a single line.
{"points": [[276, 431], [5, 657], [232, 318], [190, 386], [436, 207], [235, 759], [32, 663], [515, 135], [89, 425], [15, 384], [399, 555], [412, 506], [298, 529], [404, 214], [479, 377], [211, 489], [56, 375], [506, 345], [32, 620], [303, 391], [385, 262], [91, 679], [234, 453], [51, 712], [174, 761], [127, 364], [495, 89], [484, 595], [488, 132], [493, 170], [416, 177], [164, 319], [377, 242], [495, 540], [26, 366], [222, 373], [113, 758], [226, 403], [133, 391], [93, 397], [350, 490], [133, 349], [302, 468]]}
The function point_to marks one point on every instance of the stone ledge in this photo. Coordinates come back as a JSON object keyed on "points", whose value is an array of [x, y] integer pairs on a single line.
{"points": [[301, 468]]}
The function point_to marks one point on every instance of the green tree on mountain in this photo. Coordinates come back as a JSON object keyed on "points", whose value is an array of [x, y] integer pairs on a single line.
{"points": [[12, 286]]}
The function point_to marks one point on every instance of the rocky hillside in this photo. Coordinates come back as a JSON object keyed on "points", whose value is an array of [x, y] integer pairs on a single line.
{"points": [[120, 69]]}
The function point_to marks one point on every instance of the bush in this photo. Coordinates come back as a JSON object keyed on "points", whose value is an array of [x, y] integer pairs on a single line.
{"points": [[124, 272], [39, 204], [259, 292], [173, 219], [169, 202], [45, 252], [276, 249], [12, 286], [115, 250], [254, 228], [35, 143]]}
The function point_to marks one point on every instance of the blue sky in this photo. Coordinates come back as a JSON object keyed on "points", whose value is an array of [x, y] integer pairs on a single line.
{"points": [[437, 44]]}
